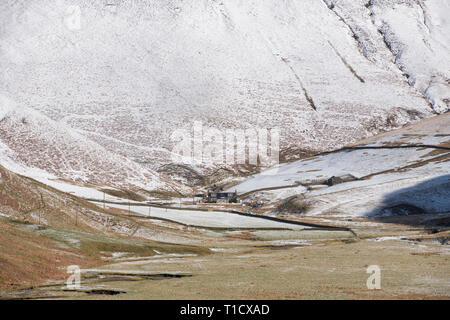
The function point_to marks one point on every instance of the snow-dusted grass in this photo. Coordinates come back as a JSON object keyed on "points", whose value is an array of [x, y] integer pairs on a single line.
{"points": [[387, 177], [39, 147], [358, 163], [215, 219]]}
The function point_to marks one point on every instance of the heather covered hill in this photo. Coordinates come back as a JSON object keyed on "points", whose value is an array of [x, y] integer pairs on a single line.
{"points": [[326, 73]]}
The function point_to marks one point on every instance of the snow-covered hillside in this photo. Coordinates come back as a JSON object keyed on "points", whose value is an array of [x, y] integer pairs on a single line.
{"points": [[34, 145], [116, 85], [407, 166], [418, 34]]}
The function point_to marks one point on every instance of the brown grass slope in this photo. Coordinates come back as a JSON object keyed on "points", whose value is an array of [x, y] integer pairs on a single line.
{"points": [[28, 259], [42, 231]]}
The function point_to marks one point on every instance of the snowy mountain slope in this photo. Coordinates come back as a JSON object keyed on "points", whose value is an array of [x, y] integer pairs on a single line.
{"points": [[361, 162], [418, 33], [358, 163], [413, 34], [36, 146], [384, 174], [426, 187], [134, 72]]}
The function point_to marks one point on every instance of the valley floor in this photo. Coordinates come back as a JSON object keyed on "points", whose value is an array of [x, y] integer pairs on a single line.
{"points": [[252, 265]]}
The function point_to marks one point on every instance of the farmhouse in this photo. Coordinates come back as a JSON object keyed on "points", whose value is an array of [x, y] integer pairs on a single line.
{"points": [[228, 197]]}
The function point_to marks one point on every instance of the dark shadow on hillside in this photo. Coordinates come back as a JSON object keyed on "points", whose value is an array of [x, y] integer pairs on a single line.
{"points": [[426, 204]]}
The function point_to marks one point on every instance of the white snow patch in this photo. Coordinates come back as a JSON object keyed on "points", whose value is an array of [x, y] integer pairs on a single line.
{"points": [[389, 238], [216, 219], [290, 242], [223, 249]]}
